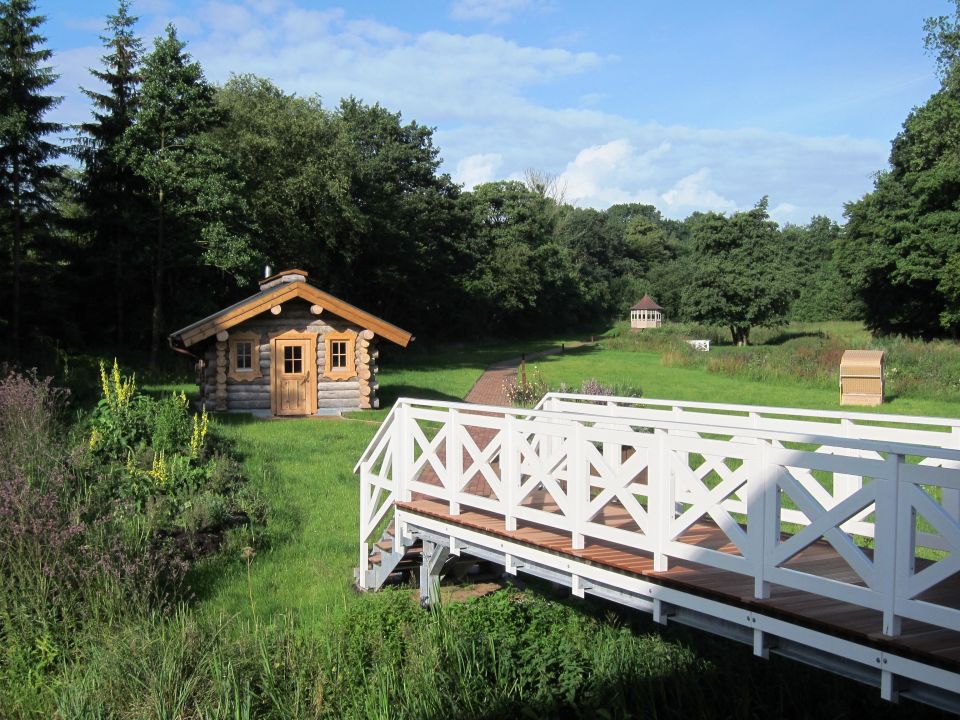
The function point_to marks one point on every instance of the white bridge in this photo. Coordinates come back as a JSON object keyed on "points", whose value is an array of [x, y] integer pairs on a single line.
{"points": [[829, 537]]}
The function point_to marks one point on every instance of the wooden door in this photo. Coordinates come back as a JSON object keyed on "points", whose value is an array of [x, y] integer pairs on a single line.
{"points": [[294, 386]]}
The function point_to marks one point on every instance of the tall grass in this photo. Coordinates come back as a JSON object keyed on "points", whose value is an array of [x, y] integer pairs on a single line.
{"points": [[507, 655], [807, 354]]}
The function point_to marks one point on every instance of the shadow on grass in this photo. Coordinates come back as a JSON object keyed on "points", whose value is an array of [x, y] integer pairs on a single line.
{"points": [[390, 393], [787, 335]]}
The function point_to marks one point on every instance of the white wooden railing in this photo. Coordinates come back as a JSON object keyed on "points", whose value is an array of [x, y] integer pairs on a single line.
{"points": [[773, 486]]}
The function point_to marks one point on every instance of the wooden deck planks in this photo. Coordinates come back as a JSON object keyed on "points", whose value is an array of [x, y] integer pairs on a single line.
{"points": [[934, 645]]}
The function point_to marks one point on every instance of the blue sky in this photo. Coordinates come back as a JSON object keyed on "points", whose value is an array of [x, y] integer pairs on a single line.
{"points": [[688, 106]]}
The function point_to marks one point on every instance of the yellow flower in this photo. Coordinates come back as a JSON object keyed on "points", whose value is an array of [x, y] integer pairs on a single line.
{"points": [[95, 438], [159, 471], [199, 434]]}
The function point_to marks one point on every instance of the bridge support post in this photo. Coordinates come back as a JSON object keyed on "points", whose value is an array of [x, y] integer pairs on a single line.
{"points": [[434, 556], [889, 686]]}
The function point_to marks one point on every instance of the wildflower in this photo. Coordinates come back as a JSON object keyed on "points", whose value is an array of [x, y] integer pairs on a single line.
{"points": [[117, 391], [198, 436], [159, 471]]}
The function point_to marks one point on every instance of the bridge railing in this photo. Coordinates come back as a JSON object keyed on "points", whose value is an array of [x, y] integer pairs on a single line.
{"points": [[754, 501], [937, 432]]}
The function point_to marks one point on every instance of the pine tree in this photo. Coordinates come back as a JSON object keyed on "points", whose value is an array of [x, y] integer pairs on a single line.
{"points": [[193, 200], [26, 171], [111, 192]]}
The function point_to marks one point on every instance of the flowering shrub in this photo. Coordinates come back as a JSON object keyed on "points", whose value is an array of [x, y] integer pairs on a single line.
{"points": [[526, 391], [151, 446], [595, 387]]}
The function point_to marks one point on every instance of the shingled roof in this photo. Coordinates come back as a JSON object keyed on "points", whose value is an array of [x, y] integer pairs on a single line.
{"points": [[646, 303]]}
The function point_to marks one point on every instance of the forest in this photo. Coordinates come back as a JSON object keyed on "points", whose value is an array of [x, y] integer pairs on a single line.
{"points": [[170, 200]]}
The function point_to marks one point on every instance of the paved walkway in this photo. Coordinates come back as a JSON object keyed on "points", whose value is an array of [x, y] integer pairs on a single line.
{"points": [[490, 387]]}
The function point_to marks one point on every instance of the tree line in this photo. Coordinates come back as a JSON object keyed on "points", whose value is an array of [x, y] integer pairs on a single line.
{"points": [[180, 191]]}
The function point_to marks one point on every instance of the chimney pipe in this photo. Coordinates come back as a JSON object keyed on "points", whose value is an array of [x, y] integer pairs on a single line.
{"points": [[267, 271]]}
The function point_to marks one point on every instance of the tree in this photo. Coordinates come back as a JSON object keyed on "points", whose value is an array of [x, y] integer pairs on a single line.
{"points": [[821, 292], [404, 226], [738, 277], [193, 196], [524, 276], [111, 193], [901, 251], [291, 169], [26, 173]]}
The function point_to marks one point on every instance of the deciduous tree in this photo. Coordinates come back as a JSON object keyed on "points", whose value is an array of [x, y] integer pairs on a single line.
{"points": [[901, 249], [738, 278]]}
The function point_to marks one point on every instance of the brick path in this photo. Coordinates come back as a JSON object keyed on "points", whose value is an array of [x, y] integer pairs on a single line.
{"points": [[488, 390]]}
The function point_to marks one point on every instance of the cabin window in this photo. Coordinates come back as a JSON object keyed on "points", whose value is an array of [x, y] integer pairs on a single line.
{"points": [[244, 357], [340, 362], [293, 359], [244, 360], [338, 355]]}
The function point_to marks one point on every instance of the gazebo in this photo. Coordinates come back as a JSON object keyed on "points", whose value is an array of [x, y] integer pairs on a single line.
{"points": [[646, 314]]}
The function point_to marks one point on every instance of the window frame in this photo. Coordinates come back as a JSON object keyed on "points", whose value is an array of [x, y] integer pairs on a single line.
{"points": [[254, 372], [350, 371]]}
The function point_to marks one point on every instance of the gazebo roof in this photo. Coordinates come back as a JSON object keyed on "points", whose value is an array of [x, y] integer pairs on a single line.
{"points": [[646, 303]]}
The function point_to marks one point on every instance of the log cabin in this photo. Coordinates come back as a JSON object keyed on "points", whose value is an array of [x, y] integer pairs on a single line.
{"points": [[290, 349]]}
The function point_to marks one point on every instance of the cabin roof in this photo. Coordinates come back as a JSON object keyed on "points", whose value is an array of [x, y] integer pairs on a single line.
{"points": [[646, 303], [278, 293]]}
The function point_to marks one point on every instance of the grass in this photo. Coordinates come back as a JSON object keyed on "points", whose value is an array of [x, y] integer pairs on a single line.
{"points": [[646, 370], [305, 469]]}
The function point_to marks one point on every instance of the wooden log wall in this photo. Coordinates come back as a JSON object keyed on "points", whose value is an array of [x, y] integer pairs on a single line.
{"points": [[224, 393], [296, 315], [366, 359]]}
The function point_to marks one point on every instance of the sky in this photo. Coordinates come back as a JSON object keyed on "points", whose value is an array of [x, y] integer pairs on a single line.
{"points": [[684, 105]]}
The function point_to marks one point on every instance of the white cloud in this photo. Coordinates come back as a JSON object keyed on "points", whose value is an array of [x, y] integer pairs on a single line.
{"points": [[787, 212], [476, 169], [476, 89], [494, 11], [691, 192]]}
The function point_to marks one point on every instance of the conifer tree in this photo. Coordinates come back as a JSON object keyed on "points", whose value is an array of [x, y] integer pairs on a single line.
{"points": [[193, 199], [111, 192], [26, 170]]}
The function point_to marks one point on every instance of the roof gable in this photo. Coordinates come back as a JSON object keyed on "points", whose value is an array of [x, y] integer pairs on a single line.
{"points": [[277, 294]]}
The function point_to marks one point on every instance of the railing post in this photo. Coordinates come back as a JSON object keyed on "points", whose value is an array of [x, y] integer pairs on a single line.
{"points": [[661, 489], [364, 519], [509, 473], [763, 515], [844, 484], [578, 489], [894, 530], [454, 460], [401, 450]]}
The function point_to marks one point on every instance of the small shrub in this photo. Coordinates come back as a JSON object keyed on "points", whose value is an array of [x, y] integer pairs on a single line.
{"points": [[526, 392]]}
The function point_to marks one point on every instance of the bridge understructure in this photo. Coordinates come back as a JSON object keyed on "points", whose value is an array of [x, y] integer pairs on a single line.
{"points": [[830, 538]]}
